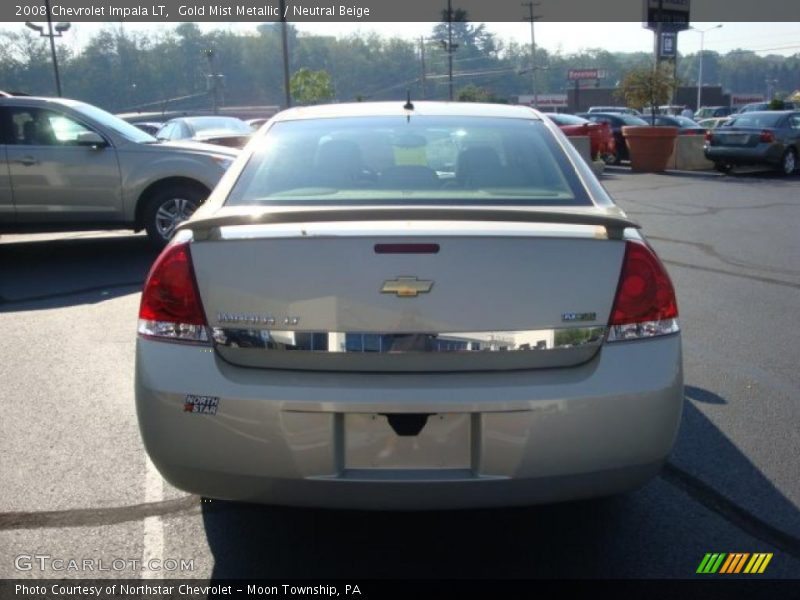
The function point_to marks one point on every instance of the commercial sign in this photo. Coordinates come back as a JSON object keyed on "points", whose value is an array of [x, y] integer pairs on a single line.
{"points": [[668, 47], [545, 100], [742, 99], [578, 74], [672, 14]]}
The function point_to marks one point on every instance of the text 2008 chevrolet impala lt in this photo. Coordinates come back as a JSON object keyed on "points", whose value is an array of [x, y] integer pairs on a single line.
{"points": [[396, 306]]}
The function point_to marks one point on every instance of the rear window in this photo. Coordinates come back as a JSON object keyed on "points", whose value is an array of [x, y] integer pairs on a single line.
{"points": [[756, 120], [218, 123], [400, 160], [686, 122], [631, 120], [567, 119]]}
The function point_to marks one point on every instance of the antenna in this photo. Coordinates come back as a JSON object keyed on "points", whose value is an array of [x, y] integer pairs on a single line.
{"points": [[408, 105]]}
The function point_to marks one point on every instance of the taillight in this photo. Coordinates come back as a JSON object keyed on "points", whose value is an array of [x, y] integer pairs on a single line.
{"points": [[766, 136], [171, 308], [645, 304], [709, 136]]}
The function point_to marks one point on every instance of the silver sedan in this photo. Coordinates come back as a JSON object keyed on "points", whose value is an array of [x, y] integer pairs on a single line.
{"points": [[414, 306]]}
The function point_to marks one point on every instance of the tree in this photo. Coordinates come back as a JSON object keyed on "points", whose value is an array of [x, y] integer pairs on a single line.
{"points": [[473, 93], [647, 86], [311, 87]]}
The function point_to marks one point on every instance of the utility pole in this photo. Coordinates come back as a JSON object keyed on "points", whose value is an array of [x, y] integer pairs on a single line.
{"points": [[285, 43], [450, 48], [60, 29], [422, 65], [532, 18]]}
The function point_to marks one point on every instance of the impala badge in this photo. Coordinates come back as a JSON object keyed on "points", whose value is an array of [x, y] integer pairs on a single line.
{"points": [[571, 316], [406, 287]]}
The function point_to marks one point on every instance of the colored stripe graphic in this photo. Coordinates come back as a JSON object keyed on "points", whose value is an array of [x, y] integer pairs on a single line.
{"points": [[734, 563], [711, 563], [765, 563], [727, 564], [735, 556], [740, 563]]}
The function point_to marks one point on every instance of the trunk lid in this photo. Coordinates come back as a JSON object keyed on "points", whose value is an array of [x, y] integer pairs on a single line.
{"points": [[471, 295], [736, 136]]}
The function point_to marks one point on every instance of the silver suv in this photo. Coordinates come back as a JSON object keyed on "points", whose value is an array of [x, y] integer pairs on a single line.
{"points": [[67, 165]]}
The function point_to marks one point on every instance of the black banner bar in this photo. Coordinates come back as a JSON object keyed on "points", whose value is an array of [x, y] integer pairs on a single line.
{"points": [[177, 589], [366, 11]]}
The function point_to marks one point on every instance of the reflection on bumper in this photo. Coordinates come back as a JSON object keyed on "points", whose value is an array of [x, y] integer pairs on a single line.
{"points": [[394, 343]]}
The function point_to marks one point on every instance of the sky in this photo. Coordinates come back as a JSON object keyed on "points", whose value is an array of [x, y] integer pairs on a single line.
{"points": [[763, 38]]}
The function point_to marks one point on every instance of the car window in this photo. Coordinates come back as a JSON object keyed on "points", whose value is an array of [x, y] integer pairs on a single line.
{"points": [[200, 124], [686, 122], [757, 119], [166, 132], [112, 122], [394, 160], [38, 127], [794, 121], [632, 120], [567, 119]]}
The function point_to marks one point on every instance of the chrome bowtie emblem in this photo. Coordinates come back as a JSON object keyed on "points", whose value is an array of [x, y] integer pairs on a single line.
{"points": [[406, 287]]}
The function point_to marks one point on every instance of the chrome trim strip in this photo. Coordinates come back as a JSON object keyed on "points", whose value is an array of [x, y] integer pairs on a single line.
{"points": [[419, 232], [533, 340]]}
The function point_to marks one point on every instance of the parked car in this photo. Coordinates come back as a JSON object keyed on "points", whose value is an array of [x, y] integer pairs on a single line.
{"points": [[713, 122], [350, 322], [614, 109], [150, 127], [756, 138], [707, 112], [762, 106], [601, 140], [685, 125], [223, 131], [255, 124], [73, 166], [616, 121], [664, 109]]}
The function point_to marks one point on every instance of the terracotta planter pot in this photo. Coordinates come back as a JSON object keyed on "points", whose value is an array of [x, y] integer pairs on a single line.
{"points": [[650, 147]]}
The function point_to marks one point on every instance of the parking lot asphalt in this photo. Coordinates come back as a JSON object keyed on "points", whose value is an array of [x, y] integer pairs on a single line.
{"points": [[76, 482]]}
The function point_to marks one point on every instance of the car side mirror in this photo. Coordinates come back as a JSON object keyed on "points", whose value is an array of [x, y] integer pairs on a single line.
{"points": [[92, 139]]}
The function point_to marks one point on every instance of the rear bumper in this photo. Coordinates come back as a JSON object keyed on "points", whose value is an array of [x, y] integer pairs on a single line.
{"points": [[535, 436], [769, 154]]}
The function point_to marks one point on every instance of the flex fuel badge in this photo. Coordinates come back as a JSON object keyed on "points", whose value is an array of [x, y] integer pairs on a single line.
{"points": [[202, 405]]}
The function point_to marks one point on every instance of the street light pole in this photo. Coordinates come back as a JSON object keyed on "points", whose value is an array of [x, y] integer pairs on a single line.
{"points": [[702, 33], [53, 46], [60, 29], [285, 46], [532, 18]]}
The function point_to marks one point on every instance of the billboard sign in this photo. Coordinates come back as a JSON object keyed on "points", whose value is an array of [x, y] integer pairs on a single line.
{"points": [[672, 14], [545, 100], [578, 74], [668, 46], [742, 99]]}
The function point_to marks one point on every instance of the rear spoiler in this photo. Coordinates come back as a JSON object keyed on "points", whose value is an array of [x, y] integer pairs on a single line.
{"points": [[612, 220]]}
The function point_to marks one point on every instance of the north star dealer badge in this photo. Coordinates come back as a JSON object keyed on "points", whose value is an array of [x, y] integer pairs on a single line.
{"points": [[202, 405]]}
